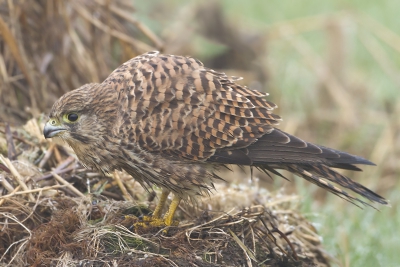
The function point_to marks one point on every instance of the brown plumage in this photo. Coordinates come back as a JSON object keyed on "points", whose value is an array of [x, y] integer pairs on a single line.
{"points": [[168, 120]]}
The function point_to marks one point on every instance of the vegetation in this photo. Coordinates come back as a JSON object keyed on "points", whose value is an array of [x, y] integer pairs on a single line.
{"points": [[332, 67]]}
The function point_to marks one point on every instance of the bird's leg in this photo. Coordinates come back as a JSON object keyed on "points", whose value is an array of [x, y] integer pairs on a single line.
{"points": [[161, 203], [155, 220], [168, 217]]}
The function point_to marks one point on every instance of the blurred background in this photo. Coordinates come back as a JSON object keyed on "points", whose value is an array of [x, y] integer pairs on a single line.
{"points": [[332, 67]]}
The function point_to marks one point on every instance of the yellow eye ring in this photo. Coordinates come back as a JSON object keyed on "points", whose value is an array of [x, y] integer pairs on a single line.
{"points": [[70, 117]]}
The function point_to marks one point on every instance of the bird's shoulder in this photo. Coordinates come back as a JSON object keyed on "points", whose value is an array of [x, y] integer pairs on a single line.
{"points": [[175, 105]]}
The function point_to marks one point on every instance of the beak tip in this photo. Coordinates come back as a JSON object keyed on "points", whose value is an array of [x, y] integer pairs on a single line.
{"points": [[46, 132], [50, 131]]}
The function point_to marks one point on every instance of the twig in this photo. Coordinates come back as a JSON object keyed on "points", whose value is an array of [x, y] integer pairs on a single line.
{"points": [[12, 217], [69, 186], [4, 168], [143, 28], [15, 190], [11, 152], [16, 175], [6, 184], [112, 195], [50, 175], [247, 252], [57, 154], [32, 191], [153, 254], [120, 35], [47, 155], [189, 231], [19, 139], [125, 193], [12, 43], [65, 163], [60, 169], [276, 230]]}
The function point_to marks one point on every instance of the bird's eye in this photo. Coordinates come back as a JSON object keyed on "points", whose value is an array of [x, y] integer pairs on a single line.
{"points": [[71, 117]]}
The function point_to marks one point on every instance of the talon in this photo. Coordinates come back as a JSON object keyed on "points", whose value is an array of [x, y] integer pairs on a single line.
{"points": [[155, 220]]}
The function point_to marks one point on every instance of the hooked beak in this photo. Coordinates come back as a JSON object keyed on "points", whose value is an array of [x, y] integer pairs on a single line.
{"points": [[50, 131]]}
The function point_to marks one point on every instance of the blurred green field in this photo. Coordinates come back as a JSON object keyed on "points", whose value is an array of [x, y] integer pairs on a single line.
{"points": [[333, 69]]}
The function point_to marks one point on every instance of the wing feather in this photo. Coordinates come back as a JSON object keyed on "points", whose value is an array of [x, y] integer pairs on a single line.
{"points": [[174, 105]]}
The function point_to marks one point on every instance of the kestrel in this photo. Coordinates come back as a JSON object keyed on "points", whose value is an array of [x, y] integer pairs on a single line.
{"points": [[169, 121]]}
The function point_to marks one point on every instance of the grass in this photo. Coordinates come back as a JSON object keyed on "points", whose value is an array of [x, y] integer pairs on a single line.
{"points": [[332, 67], [333, 71], [356, 237]]}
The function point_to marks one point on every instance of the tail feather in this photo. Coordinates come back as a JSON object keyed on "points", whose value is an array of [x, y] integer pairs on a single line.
{"points": [[279, 150], [335, 177], [326, 185], [324, 177]]}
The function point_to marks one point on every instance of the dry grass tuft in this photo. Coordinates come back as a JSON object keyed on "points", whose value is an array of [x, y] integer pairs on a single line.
{"points": [[51, 47], [62, 214]]}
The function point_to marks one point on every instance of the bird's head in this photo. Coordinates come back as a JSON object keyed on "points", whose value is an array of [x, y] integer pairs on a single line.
{"points": [[81, 116]]}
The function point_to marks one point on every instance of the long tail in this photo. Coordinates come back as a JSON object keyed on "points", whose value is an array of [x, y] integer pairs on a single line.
{"points": [[279, 150], [322, 175]]}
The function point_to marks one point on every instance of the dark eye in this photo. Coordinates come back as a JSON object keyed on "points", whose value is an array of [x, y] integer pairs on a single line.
{"points": [[72, 117]]}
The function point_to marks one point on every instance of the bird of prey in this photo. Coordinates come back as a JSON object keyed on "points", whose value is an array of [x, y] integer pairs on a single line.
{"points": [[169, 121]]}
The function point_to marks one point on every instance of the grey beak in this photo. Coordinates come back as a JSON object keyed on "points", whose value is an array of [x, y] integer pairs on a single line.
{"points": [[50, 131]]}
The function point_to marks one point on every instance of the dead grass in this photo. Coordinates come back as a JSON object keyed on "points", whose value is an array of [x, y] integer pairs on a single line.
{"points": [[55, 212], [63, 214], [50, 47]]}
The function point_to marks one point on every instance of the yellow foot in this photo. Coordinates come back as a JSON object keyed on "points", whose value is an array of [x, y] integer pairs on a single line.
{"points": [[149, 221], [146, 222]]}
